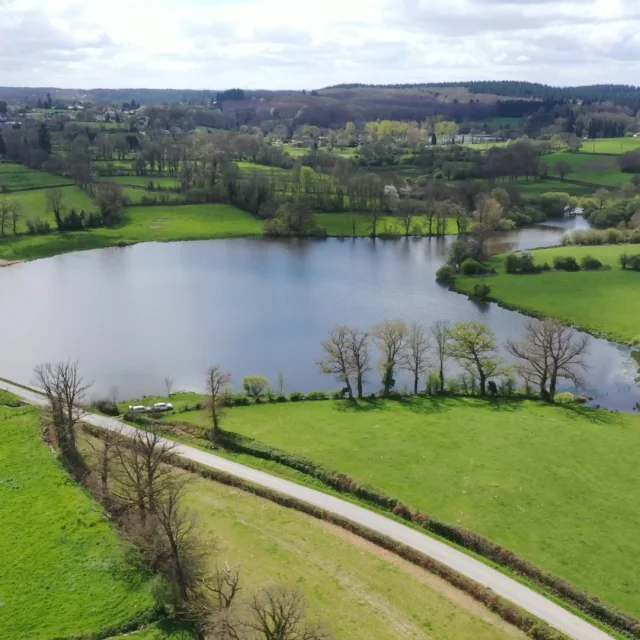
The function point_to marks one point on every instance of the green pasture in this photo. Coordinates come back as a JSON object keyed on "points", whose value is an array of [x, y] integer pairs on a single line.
{"points": [[342, 225], [556, 485], [141, 224], [606, 302], [597, 169], [64, 572], [610, 145]]}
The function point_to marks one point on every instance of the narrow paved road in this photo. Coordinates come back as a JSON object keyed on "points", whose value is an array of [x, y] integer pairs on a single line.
{"points": [[508, 588]]}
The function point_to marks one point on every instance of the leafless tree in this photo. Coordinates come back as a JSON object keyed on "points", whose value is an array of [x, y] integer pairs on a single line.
{"points": [[168, 385], [359, 355], [278, 613], [337, 359], [104, 451], [144, 472], [415, 358], [474, 345], [550, 351], [55, 205], [66, 393], [216, 386], [442, 338], [110, 198], [430, 212], [113, 394], [16, 215], [406, 211], [390, 337]]}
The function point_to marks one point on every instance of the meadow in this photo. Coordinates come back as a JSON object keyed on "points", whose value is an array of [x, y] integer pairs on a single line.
{"points": [[594, 168], [610, 145], [556, 485], [33, 204], [64, 571], [25, 178], [144, 181], [140, 224], [530, 189], [604, 302], [342, 224]]}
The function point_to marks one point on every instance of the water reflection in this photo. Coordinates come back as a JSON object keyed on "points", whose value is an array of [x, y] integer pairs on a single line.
{"points": [[134, 315]]}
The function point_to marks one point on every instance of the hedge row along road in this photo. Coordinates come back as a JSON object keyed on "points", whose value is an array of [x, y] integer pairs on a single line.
{"points": [[512, 590]]}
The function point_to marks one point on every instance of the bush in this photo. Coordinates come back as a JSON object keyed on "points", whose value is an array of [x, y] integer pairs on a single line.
{"points": [[446, 274], [35, 226], [471, 267], [237, 400], [108, 407], [453, 386], [481, 291], [565, 398], [566, 263], [317, 395], [296, 396], [339, 395], [521, 263], [432, 386], [589, 263], [512, 263]]}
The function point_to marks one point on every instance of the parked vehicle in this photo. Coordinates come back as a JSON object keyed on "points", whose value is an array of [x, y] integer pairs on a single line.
{"points": [[139, 408], [163, 406]]}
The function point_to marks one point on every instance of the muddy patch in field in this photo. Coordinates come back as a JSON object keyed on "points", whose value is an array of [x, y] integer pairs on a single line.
{"points": [[602, 164]]}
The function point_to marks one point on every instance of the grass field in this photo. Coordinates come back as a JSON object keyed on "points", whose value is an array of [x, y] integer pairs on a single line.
{"points": [[29, 179], [63, 566], [136, 195], [598, 169], [143, 181], [9, 167], [556, 485], [165, 630], [610, 145], [141, 224], [341, 224], [535, 188], [606, 302], [34, 204]]}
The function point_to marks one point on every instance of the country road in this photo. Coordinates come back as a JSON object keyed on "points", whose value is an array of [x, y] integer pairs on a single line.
{"points": [[526, 598]]}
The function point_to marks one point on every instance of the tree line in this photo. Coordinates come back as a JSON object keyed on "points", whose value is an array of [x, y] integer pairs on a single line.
{"points": [[549, 351]]}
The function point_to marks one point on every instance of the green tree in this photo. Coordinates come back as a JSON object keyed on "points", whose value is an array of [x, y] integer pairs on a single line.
{"points": [[390, 337], [563, 168], [474, 346], [256, 386]]}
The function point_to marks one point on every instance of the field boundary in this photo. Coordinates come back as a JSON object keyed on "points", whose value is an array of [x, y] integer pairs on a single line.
{"points": [[507, 611], [562, 589]]}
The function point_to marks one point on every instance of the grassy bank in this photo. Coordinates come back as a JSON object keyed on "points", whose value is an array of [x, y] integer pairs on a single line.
{"points": [[342, 224], [141, 224], [535, 478], [604, 302], [64, 571]]}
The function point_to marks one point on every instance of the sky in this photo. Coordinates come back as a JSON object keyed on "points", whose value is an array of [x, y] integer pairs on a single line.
{"points": [[304, 44]]}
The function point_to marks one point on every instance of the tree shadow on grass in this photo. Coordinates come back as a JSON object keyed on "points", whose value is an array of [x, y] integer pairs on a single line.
{"points": [[432, 404], [595, 416]]}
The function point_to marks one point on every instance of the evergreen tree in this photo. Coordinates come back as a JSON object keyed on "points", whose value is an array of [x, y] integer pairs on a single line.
{"points": [[44, 140]]}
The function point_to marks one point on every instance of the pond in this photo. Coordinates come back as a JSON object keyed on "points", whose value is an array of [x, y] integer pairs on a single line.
{"points": [[256, 306]]}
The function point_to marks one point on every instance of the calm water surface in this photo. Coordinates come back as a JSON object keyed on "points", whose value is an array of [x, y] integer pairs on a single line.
{"points": [[135, 315]]}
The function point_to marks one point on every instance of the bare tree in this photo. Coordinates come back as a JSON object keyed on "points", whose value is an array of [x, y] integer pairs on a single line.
{"points": [[104, 452], [16, 215], [550, 351], [278, 613], [5, 210], [144, 474], [337, 359], [414, 358], [111, 200], [66, 393], [442, 338], [168, 385], [216, 385], [390, 337], [474, 345], [359, 355], [55, 205], [406, 211]]}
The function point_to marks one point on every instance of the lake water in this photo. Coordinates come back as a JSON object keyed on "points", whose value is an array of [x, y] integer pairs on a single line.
{"points": [[257, 306]]}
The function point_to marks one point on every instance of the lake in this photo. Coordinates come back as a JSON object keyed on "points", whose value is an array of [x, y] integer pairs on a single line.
{"points": [[256, 306]]}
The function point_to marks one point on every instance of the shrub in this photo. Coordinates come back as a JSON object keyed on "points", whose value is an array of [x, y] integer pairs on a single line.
{"points": [[317, 395], [237, 400], [508, 385], [453, 386], [634, 262], [512, 263], [590, 263], [35, 226], [445, 274], [565, 397], [481, 291], [339, 395], [432, 386], [546, 267], [566, 263], [108, 407], [255, 386], [296, 396], [471, 267]]}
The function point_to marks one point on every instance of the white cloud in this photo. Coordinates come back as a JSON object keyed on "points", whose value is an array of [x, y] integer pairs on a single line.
{"points": [[277, 44]]}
